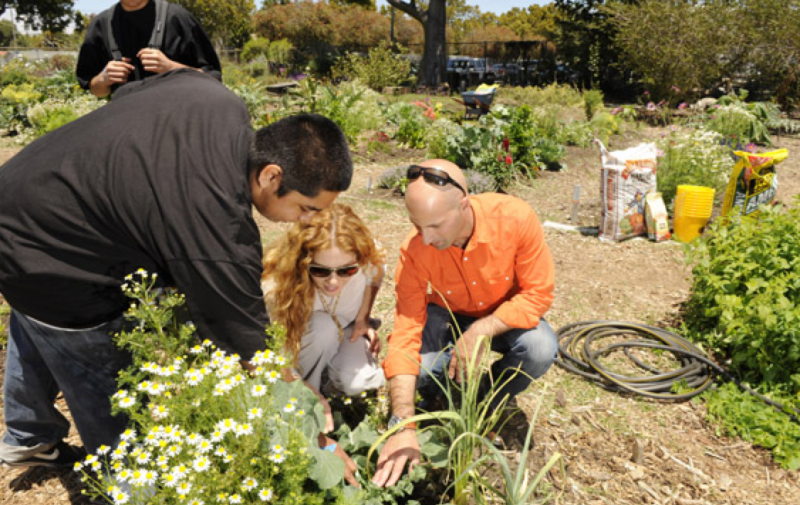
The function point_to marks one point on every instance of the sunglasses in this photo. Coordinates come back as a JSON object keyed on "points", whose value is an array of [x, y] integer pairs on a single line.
{"points": [[324, 272], [432, 175]]}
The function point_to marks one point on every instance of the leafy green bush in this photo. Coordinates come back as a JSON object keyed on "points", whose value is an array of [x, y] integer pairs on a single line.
{"points": [[563, 95], [739, 413], [381, 68], [592, 102], [254, 48], [695, 158], [745, 300], [410, 122], [17, 71]]}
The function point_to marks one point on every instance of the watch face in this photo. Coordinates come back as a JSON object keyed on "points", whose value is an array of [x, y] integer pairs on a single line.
{"points": [[394, 421]]}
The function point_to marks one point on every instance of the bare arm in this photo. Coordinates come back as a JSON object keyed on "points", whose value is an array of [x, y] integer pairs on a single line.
{"points": [[403, 446]]}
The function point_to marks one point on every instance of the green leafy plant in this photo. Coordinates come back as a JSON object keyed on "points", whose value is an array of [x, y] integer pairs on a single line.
{"points": [[410, 122], [745, 300], [741, 414], [692, 157], [255, 47], [380, 68], [202, 429], [593, 102]]}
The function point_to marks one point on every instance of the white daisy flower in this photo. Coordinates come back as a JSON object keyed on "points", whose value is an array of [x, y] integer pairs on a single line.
{"points": [[235, 498], [265, 494], [272, 376], [183, 488], [204, 446], [128, 435], [249, 483], [243, 429], [120, 497], [258, 390], [254, 413], [201, 464]]}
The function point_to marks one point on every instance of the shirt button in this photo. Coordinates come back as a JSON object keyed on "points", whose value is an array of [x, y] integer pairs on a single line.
{"points": [[473, 283], [448, 292], [507, 278], [465, 258], [480, 303]]}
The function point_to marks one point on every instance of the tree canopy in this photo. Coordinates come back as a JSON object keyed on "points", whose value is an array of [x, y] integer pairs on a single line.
{"points": [[47, 15]]}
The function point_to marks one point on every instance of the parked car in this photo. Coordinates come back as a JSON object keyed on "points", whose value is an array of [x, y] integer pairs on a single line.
{"points": [[508, 73], [464, 71]]}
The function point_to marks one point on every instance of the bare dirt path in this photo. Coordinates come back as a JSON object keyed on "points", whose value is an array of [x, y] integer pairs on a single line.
{"points": [[681, 460]]}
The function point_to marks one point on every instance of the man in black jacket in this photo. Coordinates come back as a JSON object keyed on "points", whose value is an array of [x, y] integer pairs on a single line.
{"points": [[162, 178], [135, 39]]}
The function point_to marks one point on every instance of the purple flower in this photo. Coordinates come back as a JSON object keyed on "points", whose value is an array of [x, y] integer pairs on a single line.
{"points": [[750, 148], [676, 89], [651, 106], [682, 105], [616, 111], [646, 93], [659, 153]]}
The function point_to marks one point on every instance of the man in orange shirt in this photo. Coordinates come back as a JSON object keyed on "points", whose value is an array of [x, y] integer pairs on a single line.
{"points": [[484, 259]]}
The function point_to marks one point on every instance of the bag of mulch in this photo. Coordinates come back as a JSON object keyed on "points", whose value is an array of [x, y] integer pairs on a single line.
{"points": [[753, 182], [627, 178]]}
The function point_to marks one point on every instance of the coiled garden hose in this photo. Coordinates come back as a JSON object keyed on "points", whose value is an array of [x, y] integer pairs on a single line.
{"points": [[579, 351]]}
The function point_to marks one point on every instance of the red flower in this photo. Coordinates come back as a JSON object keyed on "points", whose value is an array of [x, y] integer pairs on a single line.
{"points": [[506, 143], [508, 160], [500, 158]]}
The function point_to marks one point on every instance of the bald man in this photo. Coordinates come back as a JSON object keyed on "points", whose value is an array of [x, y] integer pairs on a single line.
{"points": [[485, 259]]}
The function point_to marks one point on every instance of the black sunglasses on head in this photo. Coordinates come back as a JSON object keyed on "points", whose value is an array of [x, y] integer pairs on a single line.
{"points": [[432, 175], [325, 272]]}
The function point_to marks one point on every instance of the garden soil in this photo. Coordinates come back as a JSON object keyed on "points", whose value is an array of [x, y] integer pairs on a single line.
{"points": [[615, 449]]}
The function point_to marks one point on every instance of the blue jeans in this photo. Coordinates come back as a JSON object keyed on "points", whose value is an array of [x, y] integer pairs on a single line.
{"points": [[41, 361], [527, 354]]}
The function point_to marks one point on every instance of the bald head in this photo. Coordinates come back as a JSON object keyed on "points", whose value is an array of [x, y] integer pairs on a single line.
{"points": [[442, 214], [421, 194]]}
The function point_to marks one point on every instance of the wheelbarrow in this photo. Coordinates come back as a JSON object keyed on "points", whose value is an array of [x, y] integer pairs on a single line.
{"points": [[478, 102]]}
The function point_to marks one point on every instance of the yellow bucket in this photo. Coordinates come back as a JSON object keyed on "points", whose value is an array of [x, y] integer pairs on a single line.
{"points": [[693, 205]]}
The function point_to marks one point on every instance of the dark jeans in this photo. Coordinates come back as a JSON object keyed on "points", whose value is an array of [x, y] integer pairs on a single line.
{"points": [[41, 361], [531, 351]]}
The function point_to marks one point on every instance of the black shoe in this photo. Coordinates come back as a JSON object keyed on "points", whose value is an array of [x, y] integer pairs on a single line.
{"points": [[513, 428], [60, 455]]}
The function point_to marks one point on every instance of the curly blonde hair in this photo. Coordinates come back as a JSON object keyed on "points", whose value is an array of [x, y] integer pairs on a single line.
{"points": [[289, 290]]}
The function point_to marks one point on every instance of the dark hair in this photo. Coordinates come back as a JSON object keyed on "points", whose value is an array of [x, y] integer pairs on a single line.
{"points": [[311, 150]]}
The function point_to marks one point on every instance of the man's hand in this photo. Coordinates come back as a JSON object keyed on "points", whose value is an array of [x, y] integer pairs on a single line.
{"points": [[400, 448], [153, 60], [349, 466], [363, 328], [116, 72], [470, 343]]}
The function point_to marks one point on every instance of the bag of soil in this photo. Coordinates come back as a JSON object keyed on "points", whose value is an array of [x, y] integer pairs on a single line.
{"points": [[627, 178]]}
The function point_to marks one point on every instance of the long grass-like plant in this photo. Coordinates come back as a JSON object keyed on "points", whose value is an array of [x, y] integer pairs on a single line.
{"points": [[468, 423]]}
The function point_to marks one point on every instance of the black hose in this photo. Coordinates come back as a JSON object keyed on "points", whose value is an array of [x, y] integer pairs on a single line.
{"points": [[579, 353]]}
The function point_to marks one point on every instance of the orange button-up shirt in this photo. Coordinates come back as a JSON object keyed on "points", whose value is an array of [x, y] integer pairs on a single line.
{"points": [[505, 270]]}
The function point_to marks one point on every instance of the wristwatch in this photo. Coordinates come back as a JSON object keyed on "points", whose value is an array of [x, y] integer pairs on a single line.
{"points": [[395, 420]]}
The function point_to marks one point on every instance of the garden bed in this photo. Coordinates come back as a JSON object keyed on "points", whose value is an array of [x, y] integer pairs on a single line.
{"points": [[677, 457]]}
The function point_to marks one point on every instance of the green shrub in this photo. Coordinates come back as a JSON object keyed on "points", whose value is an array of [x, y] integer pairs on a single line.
{"points": [[17, 72], [695, 158], [563, 95], [381, 68], [410, 122], [592, 102], [745, 300], [741, 414], [605, 125], [254, 48], [54, 113]]}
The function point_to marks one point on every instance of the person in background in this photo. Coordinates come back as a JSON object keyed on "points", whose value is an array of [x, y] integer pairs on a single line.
{"points": [[135, 39]]}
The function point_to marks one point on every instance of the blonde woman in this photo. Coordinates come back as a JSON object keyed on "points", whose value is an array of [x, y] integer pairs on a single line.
{"points": [[320, 281]]}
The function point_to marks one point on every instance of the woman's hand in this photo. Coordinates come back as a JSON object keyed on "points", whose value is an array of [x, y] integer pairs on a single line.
{"points": [[349, 466], [362, 328]]}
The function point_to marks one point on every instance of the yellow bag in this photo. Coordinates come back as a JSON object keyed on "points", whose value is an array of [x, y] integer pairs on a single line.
{"points": [[753, 182]]}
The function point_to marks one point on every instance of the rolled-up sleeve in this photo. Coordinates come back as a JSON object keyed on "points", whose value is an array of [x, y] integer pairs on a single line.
{"points": [[405, 341]]}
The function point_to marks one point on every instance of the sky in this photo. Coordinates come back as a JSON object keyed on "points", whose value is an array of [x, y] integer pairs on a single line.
{"points": [[496, 6]]}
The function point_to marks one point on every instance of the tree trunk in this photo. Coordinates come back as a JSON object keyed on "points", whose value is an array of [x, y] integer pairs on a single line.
{"points": [[433, 67]]}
